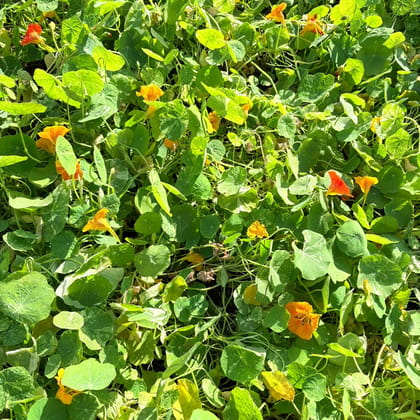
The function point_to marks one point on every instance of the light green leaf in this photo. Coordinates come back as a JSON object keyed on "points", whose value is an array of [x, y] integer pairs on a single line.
{"points": [[107, 59], [100, 165], [382, 275], [351, 239], [89, 375], [211, 38], [65, 155], [159, 191], [54, 88], [314, 259], [152, 261], [11, 160], [23, 108], [343, 12], [241, 406], [314, 387], [83, 83], [27, 299], [68, 320]]}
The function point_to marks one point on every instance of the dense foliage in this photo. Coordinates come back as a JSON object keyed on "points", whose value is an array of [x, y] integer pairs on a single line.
{"points": [[208, 209]]}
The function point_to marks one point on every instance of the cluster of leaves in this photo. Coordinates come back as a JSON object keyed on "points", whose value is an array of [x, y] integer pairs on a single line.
{"points": [[194, 234]]}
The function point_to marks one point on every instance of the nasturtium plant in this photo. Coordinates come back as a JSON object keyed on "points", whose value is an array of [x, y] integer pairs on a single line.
{"points": [[209, 209]]}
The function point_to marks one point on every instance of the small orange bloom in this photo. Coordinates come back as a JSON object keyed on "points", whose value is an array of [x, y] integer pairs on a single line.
{"points": [[214, 120], [196, 259], [376, 122], [246, 108], [365, 183], [302, 322], [338, 186], [150, 92], [276, 13], [170, 144], [99, 222], [257, 230], [32, 35], [64, 394], [312, 25], [78, 173], [48, 137]]}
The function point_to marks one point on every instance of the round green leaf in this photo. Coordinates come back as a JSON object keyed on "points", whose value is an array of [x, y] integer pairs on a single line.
{"points": [[107, 59], [383, 276], [152, 261], [68, 320], [199, 414], [26, 299], [315, 257], [20, 240], [232, 180], [48, 409], [241, 364], [148, 223], [98, 328], [351, 239], [89, 375], [209, 225], [83, 82], [211, 38], [241, 406], [314, 387], [11, 160], [186, 308]]}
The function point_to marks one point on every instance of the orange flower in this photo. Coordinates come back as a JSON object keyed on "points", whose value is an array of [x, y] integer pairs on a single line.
{"points": [[312, 25], [170, 144], [276, 13], [338, 186], [195, 258], [150, 92], [302, 321], [78, 173], [376, 121], [99, 222], [257, 230], [365, 183], [48, 137], [246, 107], [214, 120], [32, 35], [64, 394]]}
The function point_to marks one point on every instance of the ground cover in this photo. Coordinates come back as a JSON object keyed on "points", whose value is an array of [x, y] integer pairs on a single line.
{"points": [[208, 209]]}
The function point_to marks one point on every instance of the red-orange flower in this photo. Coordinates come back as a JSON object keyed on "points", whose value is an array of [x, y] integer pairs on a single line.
{"points": [[276, 13], [214, 120], [78, 173], [312, 25], [170, 144], [302, 322], [99, 222], [337, 185], [48, 137], [32, 35], [365, 183], [64, 394], [150, 92]]}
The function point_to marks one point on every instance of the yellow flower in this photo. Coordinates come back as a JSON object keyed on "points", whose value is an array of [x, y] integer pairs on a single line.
{"points": [[196, 259], [214, 120], [48, 137], [99, 222], [365, 183], [64, 394], [312, 25], [376, 121], [150, 92], [257, 230], [276, 13], [278, 386]]}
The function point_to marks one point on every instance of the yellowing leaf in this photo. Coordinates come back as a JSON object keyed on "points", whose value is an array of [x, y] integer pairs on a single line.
{"points": [[188, 400], [250, 295], [278, 386]]}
